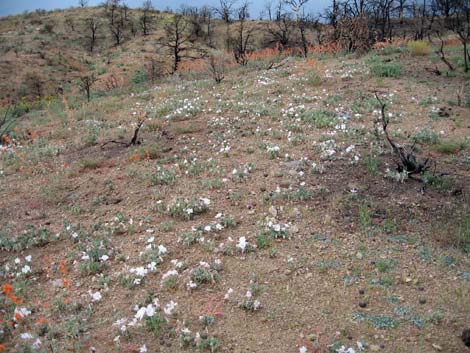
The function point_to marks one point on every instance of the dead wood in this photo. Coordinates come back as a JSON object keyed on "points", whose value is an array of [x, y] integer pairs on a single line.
{"points": [[406, 161]]}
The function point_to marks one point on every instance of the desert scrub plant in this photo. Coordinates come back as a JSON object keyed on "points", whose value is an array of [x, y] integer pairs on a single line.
{"points": [[426, 136], [31, 237], [418, 47], [183, 208], [320, 118], [201, 275], [438, 182], [162, 176], [378, 321]]}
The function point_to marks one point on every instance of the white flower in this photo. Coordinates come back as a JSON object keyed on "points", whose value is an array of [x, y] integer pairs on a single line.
{"points": [[26, 336], [227, 295], [28, 258], [143, 349], [104, 258], [149, 310], [191, 285], [17, 260], [95, 297], [26, 269], [360, 346], [189, 211], [205, 201], [152, 266], [36, 344], [169, 274], [22, 312], [139, 315], [303, 349], [248, 294], [242, 243], [186, 331], [170, 307], [139, 271], [256, 305], [150, 240], [162, 249]]}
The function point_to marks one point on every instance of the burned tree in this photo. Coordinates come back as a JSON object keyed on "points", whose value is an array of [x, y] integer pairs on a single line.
{"points": [[177, 40], [458, 22], [92, 26], [302, 22], [244, 34], [225, 11], [85, 83], [146, 18], [406, 160], [117, 31], [280, 30]]}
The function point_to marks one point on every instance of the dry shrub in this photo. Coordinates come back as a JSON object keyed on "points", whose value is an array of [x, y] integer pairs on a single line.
{"points": [[270, 54], [329, 48], [354, 34], [419, 47]]}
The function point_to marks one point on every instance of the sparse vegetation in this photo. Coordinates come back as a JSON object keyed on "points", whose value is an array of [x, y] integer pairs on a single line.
{"points": [[203, 179]]}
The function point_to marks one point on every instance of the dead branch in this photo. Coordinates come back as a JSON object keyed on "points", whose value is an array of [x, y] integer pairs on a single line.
{"points": [[442, 55], [133, 141], [406, 160]]}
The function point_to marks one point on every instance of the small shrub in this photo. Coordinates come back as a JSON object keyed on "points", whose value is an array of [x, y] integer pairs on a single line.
{"points": [[321, 118], [419, 47], [139, 77]]}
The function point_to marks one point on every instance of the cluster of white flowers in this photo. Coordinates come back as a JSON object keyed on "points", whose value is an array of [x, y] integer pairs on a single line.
{"points": [[186, 108], [18, 268], [327, 149]]}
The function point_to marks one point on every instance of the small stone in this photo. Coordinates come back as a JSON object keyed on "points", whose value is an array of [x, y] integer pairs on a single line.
{"points": [[374, 348], [436, 347], [359, 255], [273, 211], [422, 300], [362, 304], [312, 337], [361, 291]]}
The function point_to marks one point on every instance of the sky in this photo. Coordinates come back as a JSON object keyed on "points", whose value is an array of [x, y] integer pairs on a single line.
{"points": [[14, 7]]}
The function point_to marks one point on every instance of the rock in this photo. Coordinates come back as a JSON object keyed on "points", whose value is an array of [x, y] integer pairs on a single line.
{"points": [[361, 291], [312, 337], [296, 165], [273, 211], [359, 255], [294, 229], [422, 300], [374, 348], [362, 304], [436, 347]]}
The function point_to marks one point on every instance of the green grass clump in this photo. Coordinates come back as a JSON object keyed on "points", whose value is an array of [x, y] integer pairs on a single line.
{"points": [[380, 68], [450, 147]]}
